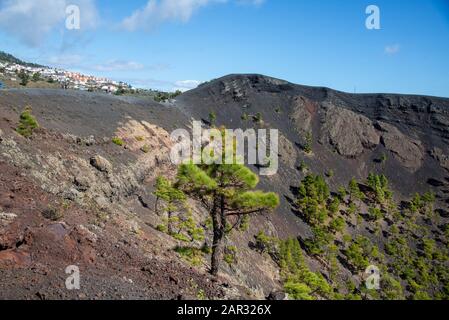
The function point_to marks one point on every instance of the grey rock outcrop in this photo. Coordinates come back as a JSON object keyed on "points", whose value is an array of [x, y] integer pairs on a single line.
{"points": [[408, 151], [349, 133], [439, 155]]}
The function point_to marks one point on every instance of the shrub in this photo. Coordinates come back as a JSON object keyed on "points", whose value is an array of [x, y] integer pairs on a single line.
{"points": [[118, 141], [192, 255], [230, 255], [267, 244], [354, 190], [375, 214], [162, 228], [24, 78], [303, 167], [338, 224], [308, 143], [27, 123], [334, 206], [145, 149], [257, 118], [300, 282], [212, 118]]}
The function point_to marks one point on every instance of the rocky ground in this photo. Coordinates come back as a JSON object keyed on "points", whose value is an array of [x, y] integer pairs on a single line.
{"points": [[70, 196]]}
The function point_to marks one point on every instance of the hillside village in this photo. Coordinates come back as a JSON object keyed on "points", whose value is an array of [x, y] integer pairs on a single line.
{"points": [[16, 71]]}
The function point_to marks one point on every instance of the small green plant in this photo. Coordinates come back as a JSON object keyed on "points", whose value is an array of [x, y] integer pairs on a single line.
{"points": [[118, 141], [257, 117], [230, 255], [338, 224], [244, 223], [303, 167], [308, 143], [244, 116], [36, 77], [212, 118], [27, 123], [145, 149], [201, 295], [192, 255], [140, 138], [162, 228]]}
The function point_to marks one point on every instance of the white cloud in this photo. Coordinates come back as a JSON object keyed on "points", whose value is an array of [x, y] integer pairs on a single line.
{"points": [[119, 65], [392, 49], [158, 11], [185, 85], [164, 85], [31, 20]]}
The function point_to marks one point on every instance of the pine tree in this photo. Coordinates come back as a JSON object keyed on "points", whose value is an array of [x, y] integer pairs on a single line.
{"points": [[174, 199], [226, 191]]}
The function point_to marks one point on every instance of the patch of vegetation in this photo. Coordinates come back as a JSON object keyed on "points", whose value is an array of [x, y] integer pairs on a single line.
{"points": [[308, 143], [230, 255], [299, 282], [303, 167], [257, 118], [193, 256], [145, 148], [312, 197], [118, 141], [24, 78], [379, 184], [212, 118], [27, 123], [160, 96]]}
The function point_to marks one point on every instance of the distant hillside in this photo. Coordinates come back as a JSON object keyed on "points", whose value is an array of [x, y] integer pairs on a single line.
{"points": [[6, 57]]}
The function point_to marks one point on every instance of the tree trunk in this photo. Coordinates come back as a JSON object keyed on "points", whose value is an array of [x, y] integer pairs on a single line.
{"points": [[170, 222], [219, 225]]}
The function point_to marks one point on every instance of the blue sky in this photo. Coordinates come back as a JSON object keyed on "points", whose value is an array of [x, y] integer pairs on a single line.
{"points": [[171, 44]]}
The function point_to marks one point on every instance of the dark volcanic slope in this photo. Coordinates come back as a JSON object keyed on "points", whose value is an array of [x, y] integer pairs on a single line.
{"points": [[351, 132], [69, 195]]}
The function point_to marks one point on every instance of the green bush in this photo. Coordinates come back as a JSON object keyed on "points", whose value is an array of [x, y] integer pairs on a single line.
{"points": [[27, 123], [308, 143], [145, 149], [192, 255], [118, 141]]}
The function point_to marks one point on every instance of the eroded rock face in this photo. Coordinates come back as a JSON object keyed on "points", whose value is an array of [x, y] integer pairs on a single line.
{"points": [[349, 133], [439, 155], [302, 114], [287, 151], [408, 151]]}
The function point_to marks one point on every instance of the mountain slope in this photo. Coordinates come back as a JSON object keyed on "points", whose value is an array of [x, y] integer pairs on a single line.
{"points": [[108, 225]]}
